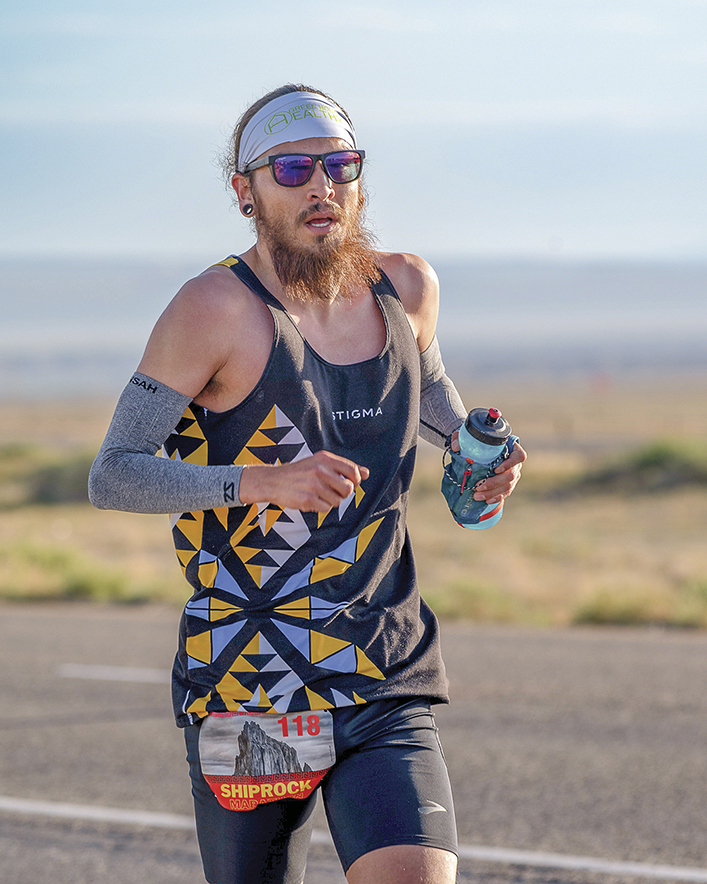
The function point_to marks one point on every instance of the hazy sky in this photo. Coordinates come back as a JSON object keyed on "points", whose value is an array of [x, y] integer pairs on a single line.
{"points": [[493, 127]]}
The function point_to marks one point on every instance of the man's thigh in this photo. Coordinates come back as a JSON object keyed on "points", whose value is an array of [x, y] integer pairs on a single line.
{"points": [[390, 785], [268, 844]]}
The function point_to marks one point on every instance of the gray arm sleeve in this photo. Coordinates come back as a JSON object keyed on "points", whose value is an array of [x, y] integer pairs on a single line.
{"points": [[441, 408], [127, 476]]}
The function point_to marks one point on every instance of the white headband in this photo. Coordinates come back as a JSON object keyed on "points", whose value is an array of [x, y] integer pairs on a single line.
{"points": [[292, 117]]}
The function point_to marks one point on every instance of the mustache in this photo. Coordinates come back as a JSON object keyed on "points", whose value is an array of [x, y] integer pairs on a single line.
{"points": [[322, 208]]}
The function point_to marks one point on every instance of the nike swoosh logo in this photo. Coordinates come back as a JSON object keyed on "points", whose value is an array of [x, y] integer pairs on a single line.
{"points": [[432, 807]]}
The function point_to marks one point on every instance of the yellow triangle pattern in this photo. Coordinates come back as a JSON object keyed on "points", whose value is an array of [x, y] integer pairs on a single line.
{"points": [[274, 419], [255, 571], [192, 527], [232, 688], [245, 553], [219, 610], [271, 517], [193, 431], [207, 573], [231, 692], [365, 537], [259, 440], [185, 556], [330, 567], [221, 514], [198, 707], [298, 608], [262, 701], [199, 647], [359, 494], [246, 458], [365, 667], [200, 454], [322, 646], [270, 421], [316, 701], [333, 567], [240, 664], [253, 646], [246, 526]]}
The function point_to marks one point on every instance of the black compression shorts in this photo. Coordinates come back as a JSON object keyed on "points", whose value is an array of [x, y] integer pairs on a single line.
{"points": [[389, 786]]}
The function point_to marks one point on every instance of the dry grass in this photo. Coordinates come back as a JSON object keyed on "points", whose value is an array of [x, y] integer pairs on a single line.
{"points": [[607, 556], [70, 550], [599, 558]]}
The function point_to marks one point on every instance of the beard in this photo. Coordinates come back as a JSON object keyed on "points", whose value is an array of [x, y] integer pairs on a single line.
{"points": [[337, 265]]}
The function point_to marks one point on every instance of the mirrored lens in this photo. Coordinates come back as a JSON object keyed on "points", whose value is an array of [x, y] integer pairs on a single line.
{"points": [[343, 166], [292, 170]]}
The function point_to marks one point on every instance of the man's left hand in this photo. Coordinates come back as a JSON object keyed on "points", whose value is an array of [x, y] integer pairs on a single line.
{"points": [[497, 487]]}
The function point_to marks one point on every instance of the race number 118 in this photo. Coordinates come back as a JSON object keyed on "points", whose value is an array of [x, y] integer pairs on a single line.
{"points": [[312, 725]]}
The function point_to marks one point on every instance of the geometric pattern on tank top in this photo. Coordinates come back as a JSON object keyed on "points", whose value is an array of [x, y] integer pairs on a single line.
{"points": [[192, 448], [258, 679]]}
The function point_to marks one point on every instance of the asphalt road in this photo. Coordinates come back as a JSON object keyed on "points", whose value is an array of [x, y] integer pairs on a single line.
{"points": [[584, 743]]}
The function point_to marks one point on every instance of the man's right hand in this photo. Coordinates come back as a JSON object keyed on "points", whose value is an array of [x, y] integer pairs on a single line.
{"points": [[313, 484]]}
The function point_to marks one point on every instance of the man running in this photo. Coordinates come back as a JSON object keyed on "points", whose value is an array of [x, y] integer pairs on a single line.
{"points": [[286, 388]]}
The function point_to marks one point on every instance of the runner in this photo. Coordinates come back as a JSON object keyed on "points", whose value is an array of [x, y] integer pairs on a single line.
{"points": [[285, 388]]}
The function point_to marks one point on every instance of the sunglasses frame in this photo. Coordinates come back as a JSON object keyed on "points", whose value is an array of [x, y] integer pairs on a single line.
{"points": [[315, 157]]}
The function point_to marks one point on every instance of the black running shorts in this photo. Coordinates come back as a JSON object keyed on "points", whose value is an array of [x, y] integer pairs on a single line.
{"points": [[388, 786]]}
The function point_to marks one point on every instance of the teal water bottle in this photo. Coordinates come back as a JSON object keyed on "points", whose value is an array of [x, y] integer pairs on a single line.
{"points": [[483, 438]]}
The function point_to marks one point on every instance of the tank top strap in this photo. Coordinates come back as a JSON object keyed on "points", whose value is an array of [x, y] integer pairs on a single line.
{"points": [[246, 276], [383, 286], [391, 305]]}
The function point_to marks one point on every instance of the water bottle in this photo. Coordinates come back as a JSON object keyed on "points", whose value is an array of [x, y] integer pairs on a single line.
{"points": [[482, 440]]}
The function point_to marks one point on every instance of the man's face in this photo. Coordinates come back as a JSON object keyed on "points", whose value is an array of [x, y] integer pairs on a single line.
{"points": [[313, 233], [314, 216]]}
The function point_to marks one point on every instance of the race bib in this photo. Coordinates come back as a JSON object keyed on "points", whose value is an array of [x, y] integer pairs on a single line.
{"points": [[251, 758]]}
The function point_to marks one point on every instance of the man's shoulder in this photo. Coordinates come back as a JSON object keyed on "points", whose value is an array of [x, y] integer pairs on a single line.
{"points": [[215, 282], [407, 268], [215, 293], [227, 333], [215, 311], [411, 275], [414, 279]]}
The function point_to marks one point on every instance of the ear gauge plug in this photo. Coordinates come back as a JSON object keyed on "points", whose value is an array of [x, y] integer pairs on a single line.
{"points": [[247, 209]]}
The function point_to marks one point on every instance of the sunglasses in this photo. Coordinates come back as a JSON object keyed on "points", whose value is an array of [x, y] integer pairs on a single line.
{"points": [[295, 169]]}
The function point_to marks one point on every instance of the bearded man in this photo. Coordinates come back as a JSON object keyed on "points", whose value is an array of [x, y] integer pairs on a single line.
{"points": [[286, 388]]}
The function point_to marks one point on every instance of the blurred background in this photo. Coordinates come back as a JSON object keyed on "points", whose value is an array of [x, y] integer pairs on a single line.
{"points": [[546, 157]]}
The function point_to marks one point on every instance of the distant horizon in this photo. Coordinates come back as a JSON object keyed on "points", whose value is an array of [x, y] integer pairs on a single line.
{"points": [[70, 321], [477, 258]]}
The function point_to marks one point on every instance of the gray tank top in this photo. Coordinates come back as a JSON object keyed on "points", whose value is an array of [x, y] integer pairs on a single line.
{"points": [[295, 611]]}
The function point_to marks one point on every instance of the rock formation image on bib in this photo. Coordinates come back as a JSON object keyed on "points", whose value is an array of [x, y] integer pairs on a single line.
{"points": [[261, 755]]}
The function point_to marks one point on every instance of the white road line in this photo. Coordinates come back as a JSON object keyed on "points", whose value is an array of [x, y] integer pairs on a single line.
{"points": [[581, 863], [91, 812], [114, 673], [466, 851]]}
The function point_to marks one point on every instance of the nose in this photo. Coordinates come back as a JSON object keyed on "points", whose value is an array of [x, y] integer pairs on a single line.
{"points": [[320, 185]]}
